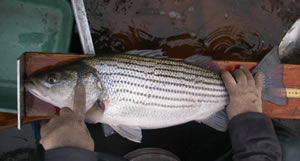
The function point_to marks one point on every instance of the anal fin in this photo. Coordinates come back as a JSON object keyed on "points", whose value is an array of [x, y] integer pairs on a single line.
{"points": [[132, 134], [218, 121], [107, 130]]}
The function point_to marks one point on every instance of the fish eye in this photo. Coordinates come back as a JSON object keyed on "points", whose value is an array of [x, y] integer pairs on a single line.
{"points": [[52, 78]]}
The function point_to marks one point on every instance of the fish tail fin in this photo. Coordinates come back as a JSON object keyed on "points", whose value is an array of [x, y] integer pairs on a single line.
{"points": [[273, 89], [218, 121]]}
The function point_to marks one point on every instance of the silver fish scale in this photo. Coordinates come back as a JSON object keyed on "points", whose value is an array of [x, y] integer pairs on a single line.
{"points": [[158, 89]]}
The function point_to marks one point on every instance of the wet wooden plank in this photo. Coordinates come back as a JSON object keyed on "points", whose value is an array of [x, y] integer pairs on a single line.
{"points": [[37, 109], [10, 120], [291, 76], [36, 62]]}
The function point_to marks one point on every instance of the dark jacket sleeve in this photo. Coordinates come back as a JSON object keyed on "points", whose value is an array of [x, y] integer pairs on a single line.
{"points": [[253, 138], [70, 154]]}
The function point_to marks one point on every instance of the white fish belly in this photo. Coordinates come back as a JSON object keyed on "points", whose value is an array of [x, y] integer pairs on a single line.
{"points": [[147, 117], [152, 93]]}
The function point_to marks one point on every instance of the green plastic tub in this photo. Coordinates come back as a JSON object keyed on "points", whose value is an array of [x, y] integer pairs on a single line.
{"points": [[29, 26]]}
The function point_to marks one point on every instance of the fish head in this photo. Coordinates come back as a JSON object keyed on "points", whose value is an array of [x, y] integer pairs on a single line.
{"points": [[55, 86]]}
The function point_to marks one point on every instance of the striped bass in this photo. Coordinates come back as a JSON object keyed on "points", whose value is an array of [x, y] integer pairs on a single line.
{"points": [[140, 89]]}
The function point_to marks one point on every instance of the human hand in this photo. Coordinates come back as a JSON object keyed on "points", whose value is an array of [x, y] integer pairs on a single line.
{"points": [[68, 129], [244, 91]]}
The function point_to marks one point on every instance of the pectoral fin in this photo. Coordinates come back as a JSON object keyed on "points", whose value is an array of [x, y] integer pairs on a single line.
{"points": [[133, 134]]}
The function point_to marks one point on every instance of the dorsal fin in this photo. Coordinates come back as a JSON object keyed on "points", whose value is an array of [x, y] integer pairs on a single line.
{"points": [[158, 53], [203, 62]]}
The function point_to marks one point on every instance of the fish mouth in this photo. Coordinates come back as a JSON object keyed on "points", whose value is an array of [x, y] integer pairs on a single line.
{"points": [[41, 92], [38, 91]]}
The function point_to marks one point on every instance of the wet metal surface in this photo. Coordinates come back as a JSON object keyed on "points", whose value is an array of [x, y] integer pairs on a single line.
{"points": [[238, 30]]}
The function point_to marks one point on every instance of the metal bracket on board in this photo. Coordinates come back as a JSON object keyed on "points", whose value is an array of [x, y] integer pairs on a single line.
{"points": [[20, 91], [83, 26]]}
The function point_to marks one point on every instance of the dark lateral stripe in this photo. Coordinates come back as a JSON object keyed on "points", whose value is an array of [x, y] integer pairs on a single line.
{"points": [[126, 91], [162, 69], [126, 100], [160, 97], [158, 89], [164, 76], [151, 80], [142, 62], [162, 62]]}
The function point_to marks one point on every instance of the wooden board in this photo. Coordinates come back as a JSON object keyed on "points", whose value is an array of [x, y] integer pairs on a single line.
{"points": [[291, 79], [42, 61], [10, 120]]}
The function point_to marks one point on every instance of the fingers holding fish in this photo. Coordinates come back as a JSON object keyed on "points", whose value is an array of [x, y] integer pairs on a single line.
{"points": [[247, 73], [240, 77], [228, 80], [258, 81], [65, 111], [79, 100]]}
